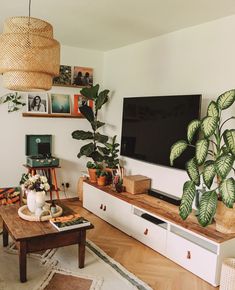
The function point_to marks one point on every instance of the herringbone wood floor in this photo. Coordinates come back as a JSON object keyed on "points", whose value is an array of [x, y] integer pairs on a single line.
{"points": [[157, 271]]}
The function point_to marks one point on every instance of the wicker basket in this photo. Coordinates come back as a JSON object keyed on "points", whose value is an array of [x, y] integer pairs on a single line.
{"points": [[227, 280]]}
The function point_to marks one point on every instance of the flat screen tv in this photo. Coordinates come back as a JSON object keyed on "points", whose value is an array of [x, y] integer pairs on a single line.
{"points": [[151, 125]]}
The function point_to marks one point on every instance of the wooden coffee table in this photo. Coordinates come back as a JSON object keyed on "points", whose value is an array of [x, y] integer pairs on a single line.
{"points": [[37, 236]]}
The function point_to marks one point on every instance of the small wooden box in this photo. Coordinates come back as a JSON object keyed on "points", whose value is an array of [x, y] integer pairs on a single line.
{"points": [[135, 184]]}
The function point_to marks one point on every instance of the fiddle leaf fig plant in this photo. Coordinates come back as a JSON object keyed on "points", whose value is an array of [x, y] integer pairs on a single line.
{"points": [[110, 152], [94, 138], [213, 163]]}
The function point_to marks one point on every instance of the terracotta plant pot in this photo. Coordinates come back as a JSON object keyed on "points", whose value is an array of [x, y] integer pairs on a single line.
{"points": [[225, 218], [101, 180], [92, 174]]}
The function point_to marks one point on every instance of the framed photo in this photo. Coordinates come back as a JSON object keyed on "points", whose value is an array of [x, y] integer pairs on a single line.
{"points": [[65, 77], [79, 100], [37, 103], [82, 76], [60, 104]]}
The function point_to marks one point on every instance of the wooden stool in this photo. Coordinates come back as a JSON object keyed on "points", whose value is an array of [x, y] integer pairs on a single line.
{"points": [[51, 177]]}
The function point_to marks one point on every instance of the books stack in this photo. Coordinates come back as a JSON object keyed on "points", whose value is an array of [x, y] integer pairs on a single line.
{"points": [[69, 222]]}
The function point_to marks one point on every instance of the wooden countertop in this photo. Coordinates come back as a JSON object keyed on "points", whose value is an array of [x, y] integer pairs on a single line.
{"points": [[168, 212]]}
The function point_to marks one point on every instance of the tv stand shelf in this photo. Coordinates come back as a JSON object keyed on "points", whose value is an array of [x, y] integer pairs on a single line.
{"points": [[157, 224]]}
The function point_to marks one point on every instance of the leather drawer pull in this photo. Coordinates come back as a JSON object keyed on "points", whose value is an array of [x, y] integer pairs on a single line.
{"points": [[189, 255], [146, 232], [101, 206], [104, 208]]}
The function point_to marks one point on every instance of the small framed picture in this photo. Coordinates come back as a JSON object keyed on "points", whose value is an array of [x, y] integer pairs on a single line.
{"points": [[82, 76], [65, 77], [60, 104], [79, 100], [37, 103]]}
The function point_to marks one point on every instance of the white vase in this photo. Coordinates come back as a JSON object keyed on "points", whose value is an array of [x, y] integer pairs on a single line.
{"points": [[36, 201], [31, 200]]}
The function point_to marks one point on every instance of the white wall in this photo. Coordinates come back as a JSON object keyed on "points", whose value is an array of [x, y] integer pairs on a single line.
{"points": [[14, 127], [200, 59]]}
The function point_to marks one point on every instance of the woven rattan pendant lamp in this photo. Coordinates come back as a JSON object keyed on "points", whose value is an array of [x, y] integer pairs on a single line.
{"points": [[29, 56]]}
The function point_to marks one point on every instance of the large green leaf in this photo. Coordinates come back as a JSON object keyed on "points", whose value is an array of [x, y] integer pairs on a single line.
{"points": [[224, 165], [192, 170], [226, 99], [87, 113], [201, 151], [209, 173], [208, 126], [177, 149], [193, 126], [101, 138], [212, 110], [96, 156], [86, 150], [229, 139], [90, 93], [189, 191], [82, 135], [227, 189], [101, 99], [207, 208]]}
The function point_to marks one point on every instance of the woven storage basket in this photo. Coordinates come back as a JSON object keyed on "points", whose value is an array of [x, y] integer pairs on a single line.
{"points": [[29, 56], [227, 279]]}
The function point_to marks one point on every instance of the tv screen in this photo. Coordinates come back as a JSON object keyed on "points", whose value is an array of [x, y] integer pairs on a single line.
{"points": [[151, 125]]}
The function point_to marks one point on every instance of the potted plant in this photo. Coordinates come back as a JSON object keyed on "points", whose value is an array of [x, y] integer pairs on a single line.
{"points": [[111, 154], [92, 168], [93, 148], [101, 177], [212, 166]]}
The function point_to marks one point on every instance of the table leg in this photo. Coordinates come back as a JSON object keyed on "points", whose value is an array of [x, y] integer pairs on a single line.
{"points": [[4, 235], [82, 248], [22, 260]]}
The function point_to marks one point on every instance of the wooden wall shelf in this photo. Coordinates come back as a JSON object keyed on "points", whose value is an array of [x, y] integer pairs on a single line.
{"points": [[51, 115]]}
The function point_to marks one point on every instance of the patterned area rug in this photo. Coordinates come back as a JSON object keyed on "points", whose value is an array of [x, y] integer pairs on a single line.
{"points": [[58, 269]]}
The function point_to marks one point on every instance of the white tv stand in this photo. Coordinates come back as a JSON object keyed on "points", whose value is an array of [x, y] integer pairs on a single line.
{"points": [[199, 250]]}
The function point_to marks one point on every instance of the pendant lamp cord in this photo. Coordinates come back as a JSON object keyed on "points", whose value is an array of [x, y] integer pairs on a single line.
{"points": [[29, 8]]}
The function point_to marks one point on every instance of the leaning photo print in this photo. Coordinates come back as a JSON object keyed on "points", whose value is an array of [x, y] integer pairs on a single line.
{"points": [[60, 104]]}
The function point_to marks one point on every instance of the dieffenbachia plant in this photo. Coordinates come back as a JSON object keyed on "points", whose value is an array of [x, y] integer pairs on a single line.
{"points": [[93, 148], [213, 163]]}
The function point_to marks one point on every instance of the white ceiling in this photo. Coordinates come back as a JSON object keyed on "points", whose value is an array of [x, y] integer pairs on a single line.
{"points": [[108, 24]]}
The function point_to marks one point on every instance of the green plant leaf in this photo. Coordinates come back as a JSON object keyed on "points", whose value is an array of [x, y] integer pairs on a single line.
{"points": [[101, 99], [193, 126], [224, 165], [101, 138], [86, 150], [189, 191], [87, 113], [103, 150], [193, 172], [96, 156], [90, 93], [209, 173], [229, 140], [82, 135], [177, 149], [227, 189], [207, 208], [226, 99], [212, 110], [201, 151], [208, 126]]}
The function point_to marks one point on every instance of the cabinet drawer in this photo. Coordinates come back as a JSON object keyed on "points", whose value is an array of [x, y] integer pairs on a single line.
{"points": [[149, 234], [194, 258]]}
